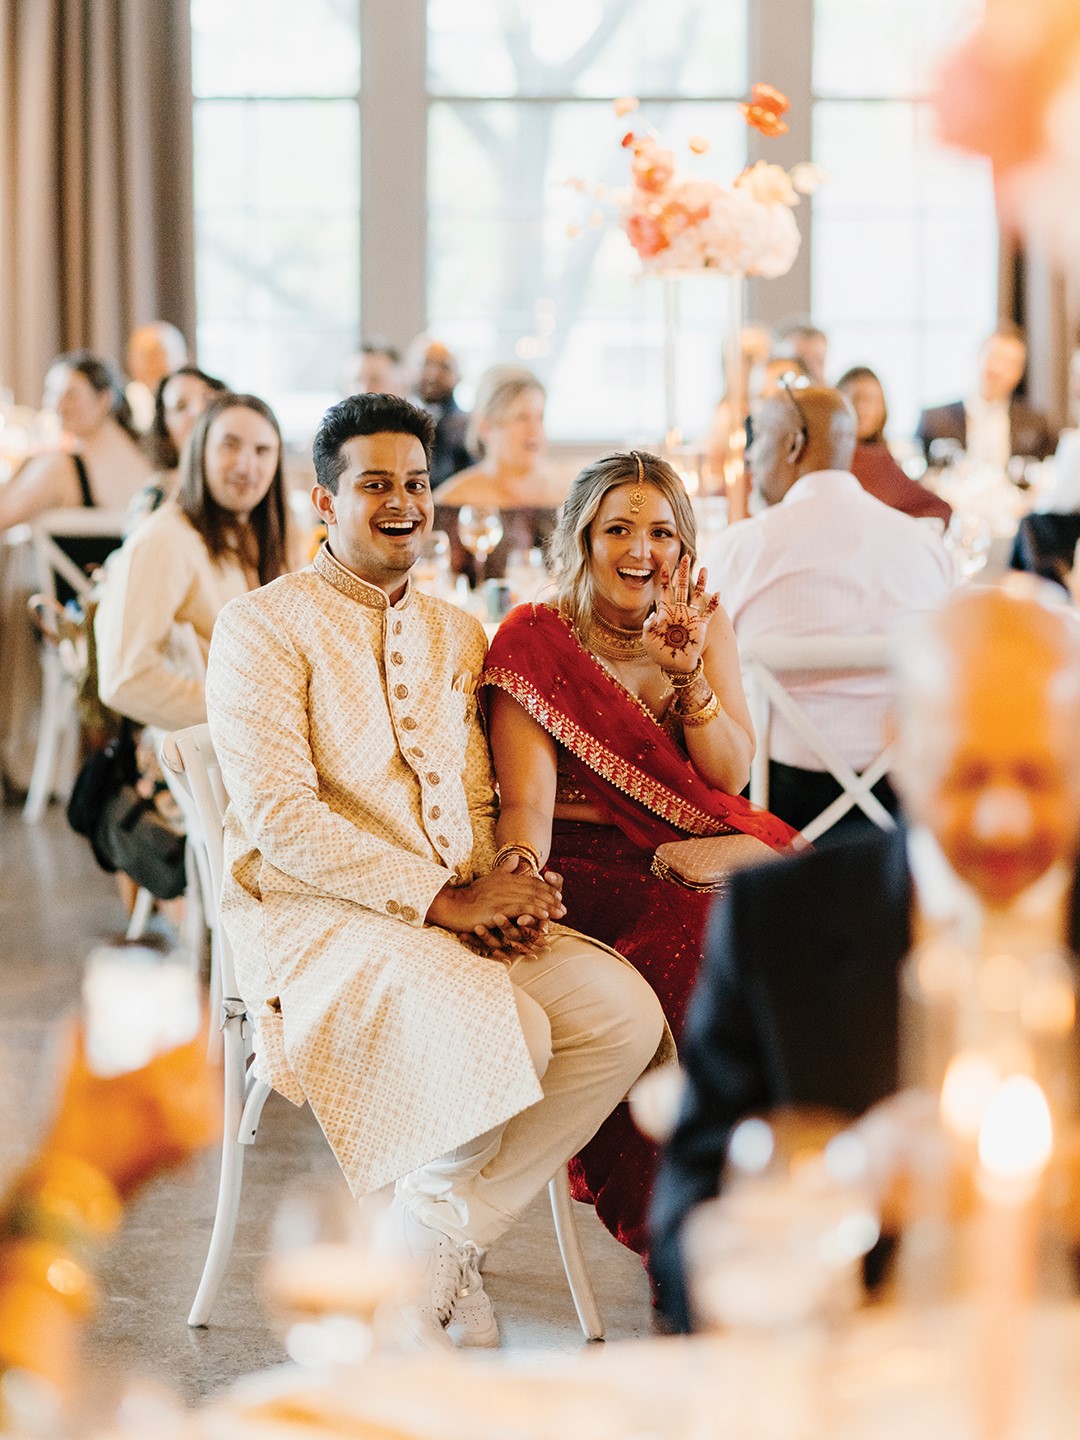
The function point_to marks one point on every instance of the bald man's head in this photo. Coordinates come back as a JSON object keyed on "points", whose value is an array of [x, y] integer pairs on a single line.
{"points": [[989, 755], [797, 432], [154, 351]]}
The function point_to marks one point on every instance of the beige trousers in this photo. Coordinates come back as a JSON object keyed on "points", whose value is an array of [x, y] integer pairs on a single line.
{"points": [[592, 1024]]}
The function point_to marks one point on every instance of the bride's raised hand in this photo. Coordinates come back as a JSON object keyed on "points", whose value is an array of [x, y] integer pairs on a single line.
{"points": [[674, 634]]}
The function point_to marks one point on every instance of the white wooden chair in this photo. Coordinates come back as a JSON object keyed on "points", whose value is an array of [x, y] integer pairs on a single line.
{"points": [[190, 755], [765, 661], [58, 732]]}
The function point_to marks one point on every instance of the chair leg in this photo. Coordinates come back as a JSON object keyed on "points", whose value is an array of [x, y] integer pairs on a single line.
{"points": [[241, 1122], [53, 721], [140, 914], [562, 1212]]}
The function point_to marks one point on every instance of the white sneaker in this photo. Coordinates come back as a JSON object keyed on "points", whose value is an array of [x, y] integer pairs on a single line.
{"points": [[438, 1280], [472, 1320]]}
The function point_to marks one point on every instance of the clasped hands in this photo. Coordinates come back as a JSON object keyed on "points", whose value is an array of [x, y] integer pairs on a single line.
{"points": [[508, 911], [674, 634]]}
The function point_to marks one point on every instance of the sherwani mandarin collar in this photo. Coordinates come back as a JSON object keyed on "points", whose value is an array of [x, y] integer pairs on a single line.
{"points": [[349, 584]]}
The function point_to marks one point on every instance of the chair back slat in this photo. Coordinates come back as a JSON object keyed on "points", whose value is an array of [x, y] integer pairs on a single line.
{"points": [[198, 765], [766, 660], [72, 523]]}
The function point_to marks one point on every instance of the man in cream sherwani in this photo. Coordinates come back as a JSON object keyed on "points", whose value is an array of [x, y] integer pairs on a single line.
{"points": [[405, 986]]}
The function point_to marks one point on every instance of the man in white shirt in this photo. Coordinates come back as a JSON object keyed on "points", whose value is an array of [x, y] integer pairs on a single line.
{"points": [[992, 423], [825, 558], [798, 1000]]}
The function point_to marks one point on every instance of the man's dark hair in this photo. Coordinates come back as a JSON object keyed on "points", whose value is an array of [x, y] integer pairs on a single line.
{"points": [[365, 415]]}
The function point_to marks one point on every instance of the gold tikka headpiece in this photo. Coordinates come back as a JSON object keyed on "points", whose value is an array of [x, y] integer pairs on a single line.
{"points": [[637, 496]]}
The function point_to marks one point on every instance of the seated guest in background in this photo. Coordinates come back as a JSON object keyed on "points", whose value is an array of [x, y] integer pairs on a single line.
{"points": [[179, 400], [825, 558], [873, 465], [375, 369], [617, 722], [225, 534], [153, 351], [506, 430], [798, 339], [798, 999], [436, 371], [993, 423], [763, 384], [1064, 496], [105, 465], [396, 960]]}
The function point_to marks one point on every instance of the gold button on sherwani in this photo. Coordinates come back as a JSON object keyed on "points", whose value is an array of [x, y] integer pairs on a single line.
{"points": [[405, 1043]]}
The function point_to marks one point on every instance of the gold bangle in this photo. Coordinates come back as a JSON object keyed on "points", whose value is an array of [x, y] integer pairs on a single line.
{"points": [[526, 852], [680, 679], [703, 714]]}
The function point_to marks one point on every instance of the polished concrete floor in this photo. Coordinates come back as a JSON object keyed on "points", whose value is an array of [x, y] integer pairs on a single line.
{"points": [[54, 906]]}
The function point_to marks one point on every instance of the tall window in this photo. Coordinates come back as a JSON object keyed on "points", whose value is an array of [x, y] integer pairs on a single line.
{"points": [[515, 101], [519, 104], [277, 196], [905, 241]]}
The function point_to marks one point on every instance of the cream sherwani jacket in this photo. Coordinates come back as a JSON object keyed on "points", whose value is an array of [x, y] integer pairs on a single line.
{"points": [[360, 784]]}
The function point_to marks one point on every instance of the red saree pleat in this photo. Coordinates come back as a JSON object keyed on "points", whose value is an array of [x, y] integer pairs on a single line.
{"points": [[643, 782], [659, 927]]}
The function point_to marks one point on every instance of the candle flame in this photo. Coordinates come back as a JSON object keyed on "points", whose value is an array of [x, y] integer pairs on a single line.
{"points": [[1016, 1135]]}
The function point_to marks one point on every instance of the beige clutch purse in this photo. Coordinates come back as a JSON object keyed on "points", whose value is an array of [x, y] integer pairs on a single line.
{"points": [[705, 863]]}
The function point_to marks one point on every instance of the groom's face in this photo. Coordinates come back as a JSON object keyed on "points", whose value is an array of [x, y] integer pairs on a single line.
{"points": [[378, 520]]}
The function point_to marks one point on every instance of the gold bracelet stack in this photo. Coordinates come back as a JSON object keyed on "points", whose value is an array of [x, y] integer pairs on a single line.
{"points": [[681, 679], [703, 714], [527, 853]]}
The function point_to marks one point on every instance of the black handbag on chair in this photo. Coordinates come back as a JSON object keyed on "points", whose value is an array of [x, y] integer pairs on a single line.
{"points": [[124, 828]]}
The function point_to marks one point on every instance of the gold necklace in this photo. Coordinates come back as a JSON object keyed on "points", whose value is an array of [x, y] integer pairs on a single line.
{"points": [[612, 642]]}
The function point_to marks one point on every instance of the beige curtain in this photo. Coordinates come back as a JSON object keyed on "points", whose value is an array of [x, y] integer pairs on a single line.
{"points": [[96, 223]]}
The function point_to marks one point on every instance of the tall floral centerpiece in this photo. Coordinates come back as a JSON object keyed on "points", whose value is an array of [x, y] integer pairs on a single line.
{"points": [[681, 224]]}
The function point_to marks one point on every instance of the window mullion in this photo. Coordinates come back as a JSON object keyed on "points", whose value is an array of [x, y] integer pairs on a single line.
{"points": [[780, 43], [393, 168]]}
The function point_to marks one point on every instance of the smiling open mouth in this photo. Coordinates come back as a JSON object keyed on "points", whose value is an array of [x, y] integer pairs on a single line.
{"points": [[635, 574], [397, 529]]}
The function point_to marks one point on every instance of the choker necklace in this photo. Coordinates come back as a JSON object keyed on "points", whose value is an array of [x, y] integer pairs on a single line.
{"points": [[612, 642]]}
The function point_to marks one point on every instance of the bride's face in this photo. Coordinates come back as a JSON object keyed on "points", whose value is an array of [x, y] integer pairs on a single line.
{"points": [[628, 548]]}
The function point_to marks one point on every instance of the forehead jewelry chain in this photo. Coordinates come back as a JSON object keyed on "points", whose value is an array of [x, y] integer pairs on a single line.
{"points": [[637, 496]]}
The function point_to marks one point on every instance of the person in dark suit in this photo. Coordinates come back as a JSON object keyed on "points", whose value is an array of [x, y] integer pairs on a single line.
{"points": [[797, 1002], [437, 375], [993, 423]]}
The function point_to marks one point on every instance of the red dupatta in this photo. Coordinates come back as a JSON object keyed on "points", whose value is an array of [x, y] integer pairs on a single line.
{"points": [[618, 753]]}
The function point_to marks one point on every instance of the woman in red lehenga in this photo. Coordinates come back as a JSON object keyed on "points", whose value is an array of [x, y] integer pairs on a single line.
{"points": [[618, 722]]}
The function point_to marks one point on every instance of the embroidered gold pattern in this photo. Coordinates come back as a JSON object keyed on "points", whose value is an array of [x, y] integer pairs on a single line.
{"points": [[609, 766]]}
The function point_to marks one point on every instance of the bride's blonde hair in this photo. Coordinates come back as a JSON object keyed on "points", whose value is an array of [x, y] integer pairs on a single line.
{"points": [[570, 547]]}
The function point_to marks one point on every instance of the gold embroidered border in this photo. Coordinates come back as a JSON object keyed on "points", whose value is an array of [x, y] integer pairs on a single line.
{"points": [[609, 766]]}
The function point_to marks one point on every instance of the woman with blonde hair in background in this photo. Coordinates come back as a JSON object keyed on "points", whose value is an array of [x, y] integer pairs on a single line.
{"points": [[506, 430], [618, 723]]}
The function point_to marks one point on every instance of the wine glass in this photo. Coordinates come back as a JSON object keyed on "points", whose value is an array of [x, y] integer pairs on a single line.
{"points": [[333, 1266], [480, 528], [969, 535]]}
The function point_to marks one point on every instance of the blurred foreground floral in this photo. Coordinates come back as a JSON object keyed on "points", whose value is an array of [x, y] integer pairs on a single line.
{"points": [[1011, 91]]}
